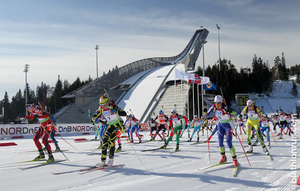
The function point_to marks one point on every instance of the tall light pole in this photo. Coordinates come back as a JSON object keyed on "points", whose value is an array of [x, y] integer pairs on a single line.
{"points": [[26, 70], [97, 47], [219, 46], [203, 73]]}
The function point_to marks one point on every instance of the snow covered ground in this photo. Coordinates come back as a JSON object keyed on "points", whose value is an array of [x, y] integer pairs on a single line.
{"points": [[281, 97], [159, 170], [152, 170]]}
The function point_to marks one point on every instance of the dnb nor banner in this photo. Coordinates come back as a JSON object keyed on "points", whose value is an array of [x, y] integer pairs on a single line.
{"points": [[28, 130]]}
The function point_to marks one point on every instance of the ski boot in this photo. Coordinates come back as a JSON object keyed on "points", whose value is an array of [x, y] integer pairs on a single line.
{"points": [[197, 139], [119, 148], [163, 147], [152, 138], [140, 140], [250, 149], [223, 159], [266, 150], [110, 161], [101, 164], [177, 148], [190, 140], [235, 162], [57, 148], [50, 159], [255, 143], [41, 156]]}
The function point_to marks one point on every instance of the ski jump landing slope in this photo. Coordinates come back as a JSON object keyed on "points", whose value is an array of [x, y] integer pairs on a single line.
{"points": [[140, 95]]}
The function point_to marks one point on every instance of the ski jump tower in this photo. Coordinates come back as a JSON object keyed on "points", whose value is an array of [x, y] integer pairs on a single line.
{"points": [[87, 96]]}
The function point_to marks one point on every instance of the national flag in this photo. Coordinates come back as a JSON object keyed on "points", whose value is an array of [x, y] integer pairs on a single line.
{"points": [[191, 78], [181, 75], [198, 79], [210, 86]]}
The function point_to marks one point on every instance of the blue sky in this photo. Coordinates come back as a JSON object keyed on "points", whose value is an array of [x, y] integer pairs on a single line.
{"points": [[58, 37]]}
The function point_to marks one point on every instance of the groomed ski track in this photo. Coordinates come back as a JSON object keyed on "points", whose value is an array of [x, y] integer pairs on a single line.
{"points": [[153, 170]]}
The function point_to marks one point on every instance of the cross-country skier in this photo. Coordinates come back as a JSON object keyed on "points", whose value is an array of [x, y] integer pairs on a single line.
{"points": [[253, 112], [162, 125], [290, 124], [176, 123], [204, 125], [134, 127], [187, 129], [153, 127], [52, 135], [275, 120], [111, 113], [44, 130], [283, 123], [196, 123], [225, 127], [264, 124], [127, 125]]}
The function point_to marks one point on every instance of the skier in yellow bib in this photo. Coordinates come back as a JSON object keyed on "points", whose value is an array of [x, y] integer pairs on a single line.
{"points": [[253, 113]]}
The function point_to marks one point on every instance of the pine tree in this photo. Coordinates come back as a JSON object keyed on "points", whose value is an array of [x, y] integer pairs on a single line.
{"points": [[294, 89], [17, 106], [56, 102], [298, 78], [6, 105], [284, 70], [42, 92]]}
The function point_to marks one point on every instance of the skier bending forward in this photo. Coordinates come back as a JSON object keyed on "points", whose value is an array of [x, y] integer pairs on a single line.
{"points": [[225, 127], [111, 113]]}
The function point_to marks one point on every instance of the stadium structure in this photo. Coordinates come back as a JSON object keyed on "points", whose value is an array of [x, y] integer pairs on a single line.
{"points": [[142, 87]]}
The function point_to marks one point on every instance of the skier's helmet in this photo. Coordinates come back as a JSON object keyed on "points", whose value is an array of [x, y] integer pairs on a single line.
{"points": [[196, 116], [160, 112], [264, 115], [250, 102], [173, 111], [35, 110], [103, 100], [218, 98]]}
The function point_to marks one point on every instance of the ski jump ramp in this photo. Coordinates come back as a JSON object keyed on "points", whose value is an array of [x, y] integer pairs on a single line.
{"points": [[144, 94]]}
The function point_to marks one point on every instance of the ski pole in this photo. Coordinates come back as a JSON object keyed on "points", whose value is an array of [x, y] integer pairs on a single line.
{"points": [[208, 145], [49, 145], [64, 155], [68, 142], [135, 152], [244, 150], [242, 135], [274, 138]]}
